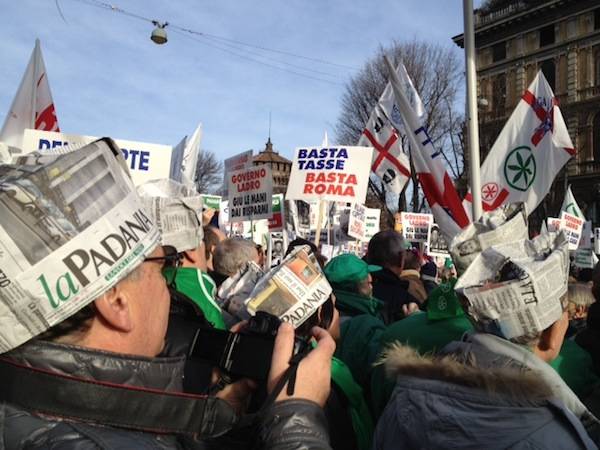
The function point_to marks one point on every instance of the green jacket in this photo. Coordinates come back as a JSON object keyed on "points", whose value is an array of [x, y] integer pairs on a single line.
{"points": [[362, 422], [353, 304], [200, 287], [421, 333], [576, 367]]}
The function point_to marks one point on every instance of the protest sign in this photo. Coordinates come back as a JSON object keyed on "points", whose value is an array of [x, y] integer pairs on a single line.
{"points": [[145, 161], [276, 249], [596, 240], [237, 162], [586, 235], [553, 224], [572, 226], [585, 258], [278, 218], [314, 217], [250, 192], [364, 222], [415, 226], [71, 227], [211, 201], [437, 245], [335, 174]]}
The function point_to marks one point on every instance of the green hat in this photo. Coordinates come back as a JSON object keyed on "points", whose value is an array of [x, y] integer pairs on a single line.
{"points": [[443, 302], [348, 268]]}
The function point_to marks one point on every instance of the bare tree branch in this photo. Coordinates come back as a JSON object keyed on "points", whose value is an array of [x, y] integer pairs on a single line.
{"points": [[209, 173]]}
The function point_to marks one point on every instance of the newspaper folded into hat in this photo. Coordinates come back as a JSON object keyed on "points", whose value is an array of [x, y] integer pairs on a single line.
{"points": [[235, 290], [177, 211], [502, 225], [71, 227], [516, 289]]}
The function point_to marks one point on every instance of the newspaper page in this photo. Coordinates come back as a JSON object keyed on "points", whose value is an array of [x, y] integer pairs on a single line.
{"points": [[235, 290], [500, 226], [71, 226], [176, 211], [516, 289], [437, 245], [292, 291]]}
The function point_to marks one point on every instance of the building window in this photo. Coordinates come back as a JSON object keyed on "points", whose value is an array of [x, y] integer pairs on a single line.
{"points": [[499, 95], [547, 35], [596, 137], [597, 19], [597, 68], [549, 70], [499, 52]]}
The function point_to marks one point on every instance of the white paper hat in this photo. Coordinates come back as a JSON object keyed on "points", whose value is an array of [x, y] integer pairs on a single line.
{"points": [[177, 211], [71, 227]]}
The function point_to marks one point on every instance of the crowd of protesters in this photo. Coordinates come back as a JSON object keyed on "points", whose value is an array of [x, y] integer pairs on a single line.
{"points": [[398, 361]]}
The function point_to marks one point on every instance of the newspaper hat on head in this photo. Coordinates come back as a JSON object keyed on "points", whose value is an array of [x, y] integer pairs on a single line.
{"points": [[71, 227], [515, 290], [502, 225], [177, 211]]}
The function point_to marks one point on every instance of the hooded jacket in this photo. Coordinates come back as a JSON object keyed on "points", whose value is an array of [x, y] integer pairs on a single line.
{"points": [[445, 403], [292, 424]]}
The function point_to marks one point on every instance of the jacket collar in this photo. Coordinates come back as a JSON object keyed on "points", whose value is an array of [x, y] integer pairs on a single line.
{"points": [[155, 373], [354, 304]]}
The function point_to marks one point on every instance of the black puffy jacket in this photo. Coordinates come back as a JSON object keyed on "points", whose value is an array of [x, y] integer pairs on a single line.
{"points": [[292, 424]]}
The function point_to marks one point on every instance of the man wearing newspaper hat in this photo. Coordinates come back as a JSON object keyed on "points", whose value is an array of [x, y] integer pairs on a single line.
{"points": [[177, 210], [494, 388], [84, 315]]}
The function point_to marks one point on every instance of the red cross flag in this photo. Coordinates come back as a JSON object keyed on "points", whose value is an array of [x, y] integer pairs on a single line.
{"points": [[390, 163], [530, 151], [32, 106]]}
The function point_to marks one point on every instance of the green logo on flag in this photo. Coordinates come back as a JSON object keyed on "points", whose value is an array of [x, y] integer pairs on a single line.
{"points": [[572, 210], [520, 168]]}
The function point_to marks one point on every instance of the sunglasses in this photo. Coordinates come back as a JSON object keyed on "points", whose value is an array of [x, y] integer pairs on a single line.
{"points": [[171, 261]]}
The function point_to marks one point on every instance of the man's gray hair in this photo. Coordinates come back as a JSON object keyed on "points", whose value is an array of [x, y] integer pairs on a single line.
{"points": [[232, 254], [386, 249]]}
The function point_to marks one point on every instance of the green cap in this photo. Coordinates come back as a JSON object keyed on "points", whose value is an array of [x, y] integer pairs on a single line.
{"points": [[348, 268], [443, 302]]}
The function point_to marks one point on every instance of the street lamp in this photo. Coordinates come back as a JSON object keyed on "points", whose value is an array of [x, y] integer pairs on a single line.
{"points": [[159, 34]]}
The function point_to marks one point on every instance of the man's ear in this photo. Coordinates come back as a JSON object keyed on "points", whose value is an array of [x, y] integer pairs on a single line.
{"points": [[114, 308], [552, 339]]}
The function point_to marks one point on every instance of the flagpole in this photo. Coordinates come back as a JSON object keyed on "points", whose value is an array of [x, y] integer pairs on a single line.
{"points": [[472, 117], [34, 80]]}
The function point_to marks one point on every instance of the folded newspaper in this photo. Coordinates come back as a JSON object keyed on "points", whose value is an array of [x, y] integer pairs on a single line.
{"points": [[292, 291], [503, 225], [516, 289], [177, 211], [71, 226]]}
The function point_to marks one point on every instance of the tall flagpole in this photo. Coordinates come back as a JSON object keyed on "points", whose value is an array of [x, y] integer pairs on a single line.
{"points": [[472, 117]]}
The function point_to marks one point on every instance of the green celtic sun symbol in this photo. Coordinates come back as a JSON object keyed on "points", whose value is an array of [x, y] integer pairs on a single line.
{"points": [[520, 168]]}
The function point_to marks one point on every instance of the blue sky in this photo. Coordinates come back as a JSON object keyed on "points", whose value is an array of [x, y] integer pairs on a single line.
{"points": [[108, 79]]}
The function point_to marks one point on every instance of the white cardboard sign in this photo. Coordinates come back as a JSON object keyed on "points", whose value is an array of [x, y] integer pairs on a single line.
{"points": [[416, 226], [572, 226], [338, 174], [250, 192], [145, 161]]}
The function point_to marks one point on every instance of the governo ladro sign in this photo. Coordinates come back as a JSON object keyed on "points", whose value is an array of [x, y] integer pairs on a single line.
{"points": [[330, 173], [145, 161]]}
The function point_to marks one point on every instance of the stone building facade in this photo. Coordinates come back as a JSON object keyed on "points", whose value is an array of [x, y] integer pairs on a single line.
{"points": [[280, 166], [516, 38]]}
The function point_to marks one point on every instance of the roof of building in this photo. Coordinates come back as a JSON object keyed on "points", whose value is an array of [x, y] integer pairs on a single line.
{"points": [[270, 155]]}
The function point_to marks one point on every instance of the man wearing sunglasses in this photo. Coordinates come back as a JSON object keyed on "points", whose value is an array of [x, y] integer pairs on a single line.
{"points": [[92, 378]]}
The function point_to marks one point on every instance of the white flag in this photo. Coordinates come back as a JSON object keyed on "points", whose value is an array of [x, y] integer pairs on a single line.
{"points": [[32, 106], [529, 152], [437, 185], [177, 160], [570, 205], [389, 161], [190, 157]]}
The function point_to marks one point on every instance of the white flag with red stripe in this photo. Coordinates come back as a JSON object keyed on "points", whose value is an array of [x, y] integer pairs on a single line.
{"points": [[438, 187], [32, 106], [389, 161], [529, 152]]}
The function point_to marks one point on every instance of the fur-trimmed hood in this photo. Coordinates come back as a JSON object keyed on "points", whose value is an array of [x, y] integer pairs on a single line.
{"points": [[451, 401], [519, 385]]}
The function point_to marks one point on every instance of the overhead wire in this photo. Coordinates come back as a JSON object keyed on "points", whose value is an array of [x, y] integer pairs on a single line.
{"points": [[218, 41]]}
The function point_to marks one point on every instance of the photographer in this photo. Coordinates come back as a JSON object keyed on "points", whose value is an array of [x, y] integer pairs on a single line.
{"points": [[93, 378]]}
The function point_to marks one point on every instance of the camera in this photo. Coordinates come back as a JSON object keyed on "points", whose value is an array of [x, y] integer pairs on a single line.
{"points": [[246, 354]]}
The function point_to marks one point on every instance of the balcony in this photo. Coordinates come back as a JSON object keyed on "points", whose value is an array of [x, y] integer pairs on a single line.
{"points": [[483, 18], [585, 168], [588, 93]]}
